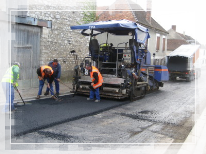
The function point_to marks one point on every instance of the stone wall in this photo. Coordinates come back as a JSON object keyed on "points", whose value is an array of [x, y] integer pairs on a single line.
{"points": [[58, 41]]}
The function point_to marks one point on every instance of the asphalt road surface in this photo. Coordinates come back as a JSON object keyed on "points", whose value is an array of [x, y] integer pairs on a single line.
{"points": [[164, 116], [39, 114]]}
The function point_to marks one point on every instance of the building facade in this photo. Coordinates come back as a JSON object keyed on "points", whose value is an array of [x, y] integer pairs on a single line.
{"points": [[176, 40], [40, 32]]}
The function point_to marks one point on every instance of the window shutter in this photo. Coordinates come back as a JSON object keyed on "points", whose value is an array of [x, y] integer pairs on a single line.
{"points": [[163, 44], [158, 43]]}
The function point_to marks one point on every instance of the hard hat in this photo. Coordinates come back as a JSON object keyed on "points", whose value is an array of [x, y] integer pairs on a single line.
{"points": [[17, 63]]}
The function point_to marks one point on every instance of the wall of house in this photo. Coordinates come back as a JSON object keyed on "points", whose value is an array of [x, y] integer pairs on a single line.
{"points": [[159, 58], [58, 41], [3, 5]]}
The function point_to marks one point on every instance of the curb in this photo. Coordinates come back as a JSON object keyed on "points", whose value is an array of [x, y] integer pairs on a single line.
{"points": [[42, 97]]}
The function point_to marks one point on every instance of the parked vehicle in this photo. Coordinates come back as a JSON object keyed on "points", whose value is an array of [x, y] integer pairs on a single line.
{"points": [[122, 58], [181, 62]]}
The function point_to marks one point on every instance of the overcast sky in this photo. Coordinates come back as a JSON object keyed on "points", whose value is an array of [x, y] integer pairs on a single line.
{"points": [[188, 15]]}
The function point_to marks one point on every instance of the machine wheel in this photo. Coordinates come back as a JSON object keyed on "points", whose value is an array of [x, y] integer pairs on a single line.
{"points": [[144, 92], [156, 85]]}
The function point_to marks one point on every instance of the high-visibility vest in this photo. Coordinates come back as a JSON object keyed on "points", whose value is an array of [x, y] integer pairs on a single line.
{"points": [[9, 76], [44, 67], [100, 79]]}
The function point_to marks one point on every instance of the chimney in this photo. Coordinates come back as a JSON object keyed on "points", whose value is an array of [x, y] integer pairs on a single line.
{"points": [[149, 11], [174, 27]]}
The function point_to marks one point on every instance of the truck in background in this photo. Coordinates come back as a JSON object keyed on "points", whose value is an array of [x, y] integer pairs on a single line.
{"points": [[181, 63]]}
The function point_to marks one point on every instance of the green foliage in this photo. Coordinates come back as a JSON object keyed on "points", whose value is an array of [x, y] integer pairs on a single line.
{"points": [[89, 13]]}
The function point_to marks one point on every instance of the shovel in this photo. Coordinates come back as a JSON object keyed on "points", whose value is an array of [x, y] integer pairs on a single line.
{"points": [[57, 98], [19, 94]]}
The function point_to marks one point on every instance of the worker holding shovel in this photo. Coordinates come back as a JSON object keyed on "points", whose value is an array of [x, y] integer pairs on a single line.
{"points": [[9, 81], [45, 73], [56, 67]]}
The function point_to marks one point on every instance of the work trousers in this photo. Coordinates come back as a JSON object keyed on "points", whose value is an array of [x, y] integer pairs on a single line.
{"points": [[94, 92], [9, 93], [41, 85], [56, 86]]}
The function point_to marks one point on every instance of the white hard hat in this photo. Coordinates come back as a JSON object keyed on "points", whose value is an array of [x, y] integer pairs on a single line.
{"points": [[17, 63]]}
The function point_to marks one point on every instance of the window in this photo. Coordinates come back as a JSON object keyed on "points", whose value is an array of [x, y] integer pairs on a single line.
{"points": [[163, 49], [158, 43]]}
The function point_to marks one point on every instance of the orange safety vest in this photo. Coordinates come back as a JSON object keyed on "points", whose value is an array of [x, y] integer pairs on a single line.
{"points": [[100, 79], [44, 67]]}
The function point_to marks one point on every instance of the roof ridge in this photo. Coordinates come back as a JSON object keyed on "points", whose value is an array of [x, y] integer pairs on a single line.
{"points": [[132, 11], [147, 23], [106, 8]]}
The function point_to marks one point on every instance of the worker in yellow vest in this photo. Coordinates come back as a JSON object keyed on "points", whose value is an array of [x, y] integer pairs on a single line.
{"points": [[97, 81], [9, 81]]}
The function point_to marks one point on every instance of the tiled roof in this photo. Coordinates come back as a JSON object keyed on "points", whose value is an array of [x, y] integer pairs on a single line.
{"points": [[117, 11], [186, 37], [100, 10], [175, 39], [120, 9], [173, 44], [140, 15]]}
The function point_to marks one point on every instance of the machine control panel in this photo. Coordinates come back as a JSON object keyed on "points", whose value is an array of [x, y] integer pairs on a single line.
{"points": [[127, 56]]}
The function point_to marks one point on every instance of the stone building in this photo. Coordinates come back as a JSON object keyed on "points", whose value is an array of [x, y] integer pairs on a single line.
{"points": [[52, 42], [21, 42], [58, 41]]}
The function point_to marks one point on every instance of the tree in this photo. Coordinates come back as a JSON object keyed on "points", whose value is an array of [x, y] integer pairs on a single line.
{"points": [[89, 13]]}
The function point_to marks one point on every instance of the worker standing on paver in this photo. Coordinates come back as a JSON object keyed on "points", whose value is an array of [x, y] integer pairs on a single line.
{"points": [[45, 73], [56, 67], [9, 81], [97, 81]]}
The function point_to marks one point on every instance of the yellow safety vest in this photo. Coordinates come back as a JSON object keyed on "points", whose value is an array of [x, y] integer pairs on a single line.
{"points": [[9, 76]]}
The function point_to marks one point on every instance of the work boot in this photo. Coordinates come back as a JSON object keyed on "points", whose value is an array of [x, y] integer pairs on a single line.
{"points": [[46, 93], [97, 101], [53, 97], [38, 97]]}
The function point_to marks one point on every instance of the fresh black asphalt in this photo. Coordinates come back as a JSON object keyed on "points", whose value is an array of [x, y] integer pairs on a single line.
{"points": [[44, 113]]}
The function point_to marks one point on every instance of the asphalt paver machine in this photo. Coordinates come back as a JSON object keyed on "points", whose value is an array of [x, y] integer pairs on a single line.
{"points": [[118, 48]]}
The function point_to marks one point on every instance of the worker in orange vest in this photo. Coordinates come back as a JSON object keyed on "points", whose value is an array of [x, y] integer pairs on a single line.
{"points": [[97, 81], [45, 73]]}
